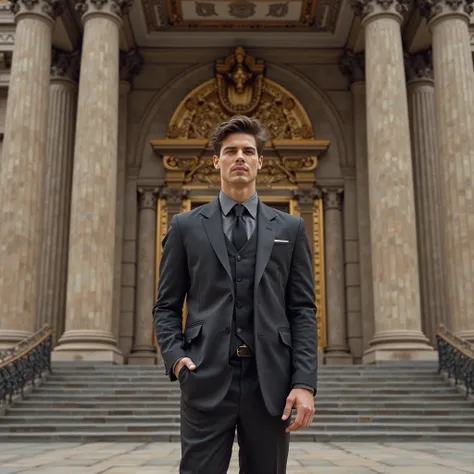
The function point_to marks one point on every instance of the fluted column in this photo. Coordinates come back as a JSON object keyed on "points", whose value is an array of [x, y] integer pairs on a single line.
{"points": [[426, 173], [89, 317], [22, 168], [353, 65], [130, 65], [454, 105], [392, 208], [143, 350], [57, 200], [337, 351]]}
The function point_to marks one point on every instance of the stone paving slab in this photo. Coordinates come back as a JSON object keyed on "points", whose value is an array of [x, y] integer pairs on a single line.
{"points": [[305, 458]]}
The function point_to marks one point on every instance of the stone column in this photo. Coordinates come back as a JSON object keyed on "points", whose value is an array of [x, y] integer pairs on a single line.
{"points": [[421, 106], [130, 65], [392, 208], [22, 168], [129, 265], [337, 351], [143, 350], [454, 105], [57, 200], [89, 317], [353, 65]]}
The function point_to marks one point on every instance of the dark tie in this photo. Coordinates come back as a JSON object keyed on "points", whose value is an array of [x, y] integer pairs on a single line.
{"points": [[239, 235]]}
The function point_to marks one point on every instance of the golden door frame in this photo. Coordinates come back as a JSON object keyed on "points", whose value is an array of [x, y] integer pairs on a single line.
{"points": [[290, 156]]}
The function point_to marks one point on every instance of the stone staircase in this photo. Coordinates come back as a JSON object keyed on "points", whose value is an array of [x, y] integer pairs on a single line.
{"points": [[389, 402]]}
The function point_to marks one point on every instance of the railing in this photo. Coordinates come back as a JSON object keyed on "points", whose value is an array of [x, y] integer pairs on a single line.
{"points": [[456, 358], [25, 363]]}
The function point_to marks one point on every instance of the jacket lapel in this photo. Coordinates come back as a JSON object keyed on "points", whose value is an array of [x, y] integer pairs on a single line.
{"points": [[212, 222], [266, 231]]}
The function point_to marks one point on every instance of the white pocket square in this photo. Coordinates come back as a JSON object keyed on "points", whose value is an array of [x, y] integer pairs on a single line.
{"points": [[278, 241]]}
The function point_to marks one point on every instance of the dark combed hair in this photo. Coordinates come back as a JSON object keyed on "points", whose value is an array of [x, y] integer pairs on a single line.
{"points": [[239, 124]]}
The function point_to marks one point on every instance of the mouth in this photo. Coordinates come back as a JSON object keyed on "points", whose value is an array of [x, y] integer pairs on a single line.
{"points": [[239, 168]]}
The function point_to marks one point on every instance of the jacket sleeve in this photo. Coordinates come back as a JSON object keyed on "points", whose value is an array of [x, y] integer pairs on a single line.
{"points": [[172, 288], [301, 312]]}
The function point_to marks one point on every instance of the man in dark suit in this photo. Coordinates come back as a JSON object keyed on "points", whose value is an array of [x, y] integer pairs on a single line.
{"points": [[248, 353]]}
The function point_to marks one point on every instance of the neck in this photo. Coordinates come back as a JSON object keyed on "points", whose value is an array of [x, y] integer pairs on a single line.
{"points": [[239, 195]]}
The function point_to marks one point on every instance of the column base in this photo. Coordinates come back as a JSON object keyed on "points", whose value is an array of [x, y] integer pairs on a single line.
{"points": [[338, 358], [11, 337], [399, 346], [87, 345], [144, 356]]}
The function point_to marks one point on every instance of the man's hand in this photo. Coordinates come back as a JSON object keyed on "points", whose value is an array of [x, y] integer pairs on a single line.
{"points": [[301, 399], [185, 361]]}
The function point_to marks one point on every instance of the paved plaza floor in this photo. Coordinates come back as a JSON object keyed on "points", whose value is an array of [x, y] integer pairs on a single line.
{"points": [[315, 458]]}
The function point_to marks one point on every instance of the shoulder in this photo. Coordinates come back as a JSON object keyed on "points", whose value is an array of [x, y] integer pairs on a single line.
{"points": [[284, 217]]}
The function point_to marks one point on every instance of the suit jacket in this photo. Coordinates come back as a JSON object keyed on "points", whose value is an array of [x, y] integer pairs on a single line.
{"points": [[195, 265]]}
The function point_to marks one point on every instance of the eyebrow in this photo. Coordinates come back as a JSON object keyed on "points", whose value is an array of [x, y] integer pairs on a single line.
{"points": [[231, 147]]}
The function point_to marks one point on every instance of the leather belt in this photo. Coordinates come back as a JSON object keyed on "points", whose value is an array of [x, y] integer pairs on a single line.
{"points": [[243, 351]]}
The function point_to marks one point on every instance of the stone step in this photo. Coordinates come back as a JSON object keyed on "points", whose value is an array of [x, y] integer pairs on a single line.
{"points": [[142, 392], [320, 404], [153, 384], [167, 418], [302, 436], [15, 412], [165, 427], [321, 397]]}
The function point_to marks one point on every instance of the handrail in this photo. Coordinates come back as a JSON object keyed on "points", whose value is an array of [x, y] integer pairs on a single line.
{"points": [[456, 358], [25, 362]]}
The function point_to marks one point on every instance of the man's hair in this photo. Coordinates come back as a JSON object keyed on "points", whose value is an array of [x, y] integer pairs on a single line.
{"points": [[239, 124]]}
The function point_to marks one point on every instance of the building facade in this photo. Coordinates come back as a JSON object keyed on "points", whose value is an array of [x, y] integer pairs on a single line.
{"points": [[106, 110]]}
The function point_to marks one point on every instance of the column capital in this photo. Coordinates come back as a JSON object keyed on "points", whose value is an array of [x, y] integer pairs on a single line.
{"points": [[352, 65], [46, 9], [130, 64], [174, 195], [147, 197], [435, 9], [65, 65], [419, 66], [332, 198], [373, 8], [115, 8], [307, 196]]}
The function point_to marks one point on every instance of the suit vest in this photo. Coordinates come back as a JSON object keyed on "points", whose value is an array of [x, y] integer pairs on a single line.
{"points": [[242, 265]]}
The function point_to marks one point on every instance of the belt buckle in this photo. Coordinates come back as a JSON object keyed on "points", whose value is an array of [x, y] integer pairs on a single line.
{"points": [[243, 346]]}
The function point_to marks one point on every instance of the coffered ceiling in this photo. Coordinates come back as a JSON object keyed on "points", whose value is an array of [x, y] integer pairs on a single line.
{"points": [[208, 23]]}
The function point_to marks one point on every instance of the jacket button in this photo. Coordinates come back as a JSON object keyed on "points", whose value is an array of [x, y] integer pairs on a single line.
{"points": [[239, 304], [227, 329], [239, 258], [239, 331], [239, 279]]}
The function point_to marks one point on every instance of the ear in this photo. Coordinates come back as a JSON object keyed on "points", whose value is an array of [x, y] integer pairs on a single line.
{"points": [[215, 161], [260, 162]]}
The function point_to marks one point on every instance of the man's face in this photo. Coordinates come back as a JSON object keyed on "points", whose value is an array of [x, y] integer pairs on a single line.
{"points": [[238, 161]]}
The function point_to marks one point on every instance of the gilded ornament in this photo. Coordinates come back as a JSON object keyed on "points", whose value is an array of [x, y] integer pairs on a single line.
{"points": [[205, 9]]}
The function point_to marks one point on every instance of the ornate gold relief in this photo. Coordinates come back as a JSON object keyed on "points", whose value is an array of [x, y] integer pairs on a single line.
{"points": [[240, 88], [239, 82], [319, 272]]}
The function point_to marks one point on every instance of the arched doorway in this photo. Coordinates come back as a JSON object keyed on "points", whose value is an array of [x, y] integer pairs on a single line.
{"points": [[287, 180]]}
